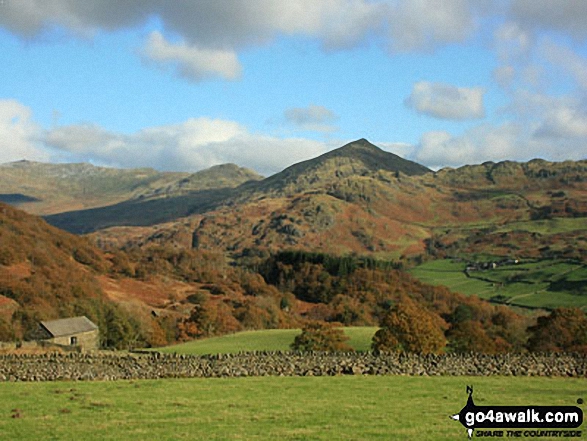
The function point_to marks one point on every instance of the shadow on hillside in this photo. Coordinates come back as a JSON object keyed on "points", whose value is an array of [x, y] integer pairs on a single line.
{"points": [[140, 212], [16, 198]]}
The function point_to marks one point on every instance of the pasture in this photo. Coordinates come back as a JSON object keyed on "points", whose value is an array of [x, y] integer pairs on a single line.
{"points": [[264, 340], [537, 284], [264, 408]]}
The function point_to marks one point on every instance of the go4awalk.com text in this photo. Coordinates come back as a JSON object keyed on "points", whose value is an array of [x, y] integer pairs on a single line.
{"points": [[519, 421]]}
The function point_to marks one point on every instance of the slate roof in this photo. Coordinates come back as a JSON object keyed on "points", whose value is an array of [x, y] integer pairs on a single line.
{"points": [[68, 326]]}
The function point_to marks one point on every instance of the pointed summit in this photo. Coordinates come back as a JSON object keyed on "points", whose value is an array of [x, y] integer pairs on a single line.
{"points": [[375, 158], [355, 158]]}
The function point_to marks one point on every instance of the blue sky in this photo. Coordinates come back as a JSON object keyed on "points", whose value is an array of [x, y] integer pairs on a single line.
{"points": [[185, 85]]}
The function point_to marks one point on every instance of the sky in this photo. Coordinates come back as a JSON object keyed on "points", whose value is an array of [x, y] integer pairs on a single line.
{"points": [[187, 84]]}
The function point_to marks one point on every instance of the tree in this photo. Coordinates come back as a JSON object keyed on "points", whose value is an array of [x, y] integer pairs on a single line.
{"points": [[564, 330], [119, 329], [409, 327], [469, 336], [157, 335], [208, 319], [319, 336]]}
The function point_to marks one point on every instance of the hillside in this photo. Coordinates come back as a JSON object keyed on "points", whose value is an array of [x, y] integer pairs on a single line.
{"points": [[42, 188], [390, 214], [355, 199], [46, 273], [358, 158], [46, 189], [217, 177], [159, 294]]}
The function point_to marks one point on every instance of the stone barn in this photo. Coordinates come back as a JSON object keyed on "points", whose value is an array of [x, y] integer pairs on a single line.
{"points": [[76, 331]]}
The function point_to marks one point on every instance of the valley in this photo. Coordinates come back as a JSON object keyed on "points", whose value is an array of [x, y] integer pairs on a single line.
{"points": [[171, 257]]}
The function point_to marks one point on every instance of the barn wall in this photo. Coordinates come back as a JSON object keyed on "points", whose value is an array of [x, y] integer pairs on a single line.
{"points": [[88, 341]]}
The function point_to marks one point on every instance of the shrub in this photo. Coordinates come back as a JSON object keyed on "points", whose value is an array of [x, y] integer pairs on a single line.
{"points": [[319, 336]]}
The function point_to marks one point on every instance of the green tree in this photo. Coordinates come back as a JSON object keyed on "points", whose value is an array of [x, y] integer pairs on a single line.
{"points": [[410, 327], [320, 336]]}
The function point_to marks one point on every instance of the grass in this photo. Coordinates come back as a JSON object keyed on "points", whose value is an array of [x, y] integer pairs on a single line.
{"points": [[264, 408], [265, 340], [537, 284], [546, 226]]}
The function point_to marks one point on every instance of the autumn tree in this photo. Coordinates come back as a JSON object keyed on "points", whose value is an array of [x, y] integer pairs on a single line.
{"points": [[409, 327], [564, 330], [208, 319], [320, 336], [469, 336], [157, 336]]}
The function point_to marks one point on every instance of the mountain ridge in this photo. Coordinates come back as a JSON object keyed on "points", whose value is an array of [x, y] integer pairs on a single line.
{"points": [[48, 189], [354, 199]]}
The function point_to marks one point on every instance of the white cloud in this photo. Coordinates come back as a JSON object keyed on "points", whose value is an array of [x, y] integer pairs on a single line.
{"points": [[312, 118], [512, 42], [19, 135], [192, 145], [504, 75], [210, 24], [402, 149], [192, 63], [427, 24], [564, 122], [406, 24], [446, 101], [195, 144], [567, 16], [480, 144], [570, 62], [231, 25], [31, 17], [541, 126]]}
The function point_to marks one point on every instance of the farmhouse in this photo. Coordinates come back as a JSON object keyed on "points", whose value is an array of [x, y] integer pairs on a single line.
{"points": [[75, 331]]}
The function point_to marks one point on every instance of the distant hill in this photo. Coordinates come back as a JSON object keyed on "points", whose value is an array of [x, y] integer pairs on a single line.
{"points": [[359, 199], [45, 189], [229, 185], [509, 174], [52, 188], [193, 194], [217, 177], [355, 199]]}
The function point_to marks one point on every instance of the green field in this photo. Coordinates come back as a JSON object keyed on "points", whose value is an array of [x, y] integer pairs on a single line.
{"points": [[539, 284], [265, 340], [546, 226], [264, 408]]}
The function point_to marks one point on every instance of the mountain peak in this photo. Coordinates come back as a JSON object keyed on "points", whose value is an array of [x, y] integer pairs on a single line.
{"points": [[360, 145], [374, 158], [356, 157]]}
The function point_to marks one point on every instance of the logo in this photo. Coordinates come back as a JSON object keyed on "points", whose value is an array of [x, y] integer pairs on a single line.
{"points": [[513, 418]]}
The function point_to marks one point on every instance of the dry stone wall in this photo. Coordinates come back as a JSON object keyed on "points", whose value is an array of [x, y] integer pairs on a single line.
{"points": [[113, 366]]}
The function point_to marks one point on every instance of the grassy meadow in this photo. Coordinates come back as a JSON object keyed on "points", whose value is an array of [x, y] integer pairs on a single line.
{"points": [[265, 340], [538, 284], [264, 408]]}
